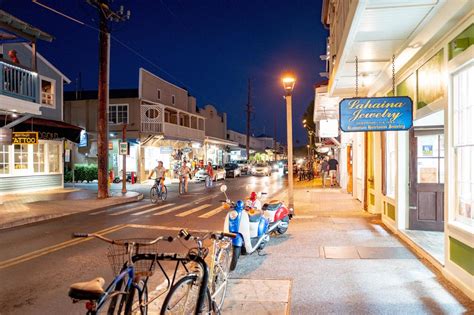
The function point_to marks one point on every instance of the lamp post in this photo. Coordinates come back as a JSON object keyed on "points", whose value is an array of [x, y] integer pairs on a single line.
{"points": [[288, 84]]}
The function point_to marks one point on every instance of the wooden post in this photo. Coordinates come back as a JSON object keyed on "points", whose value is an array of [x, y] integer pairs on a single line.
{"points": [[124, 161]]}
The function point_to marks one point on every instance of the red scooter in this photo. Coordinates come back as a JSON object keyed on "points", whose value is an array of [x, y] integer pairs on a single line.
{"points": [[279, 216]]}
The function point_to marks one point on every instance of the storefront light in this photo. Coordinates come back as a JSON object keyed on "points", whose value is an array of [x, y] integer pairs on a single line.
{"points": [[195, 145]]}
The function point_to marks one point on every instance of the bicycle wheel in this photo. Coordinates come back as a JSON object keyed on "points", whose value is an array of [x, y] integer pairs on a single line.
{"points": [[182, 298], [164, 193], [154, 194], [220, 276]]}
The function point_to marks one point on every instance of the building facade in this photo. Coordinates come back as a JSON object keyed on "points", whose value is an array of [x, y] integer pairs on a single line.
{"points": [[420, 180], [35, 141]]}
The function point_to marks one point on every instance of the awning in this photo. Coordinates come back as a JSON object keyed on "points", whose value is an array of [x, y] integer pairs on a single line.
{"points": [[48, 129], [214, 140]]}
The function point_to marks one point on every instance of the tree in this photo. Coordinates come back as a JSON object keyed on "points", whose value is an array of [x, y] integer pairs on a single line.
{"points": [[308, 119]]}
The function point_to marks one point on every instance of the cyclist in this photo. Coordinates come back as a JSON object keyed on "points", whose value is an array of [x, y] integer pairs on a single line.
{"points": [[160, 172], [184, 172]]}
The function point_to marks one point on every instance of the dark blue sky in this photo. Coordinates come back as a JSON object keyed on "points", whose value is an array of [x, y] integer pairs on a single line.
{"points": [[209, 47]]}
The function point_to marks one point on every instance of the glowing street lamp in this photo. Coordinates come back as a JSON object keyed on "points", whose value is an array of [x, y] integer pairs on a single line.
{"points": [[289, 81]]}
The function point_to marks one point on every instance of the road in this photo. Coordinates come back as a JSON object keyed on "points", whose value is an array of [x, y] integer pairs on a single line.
{"points": [[38, 262]]}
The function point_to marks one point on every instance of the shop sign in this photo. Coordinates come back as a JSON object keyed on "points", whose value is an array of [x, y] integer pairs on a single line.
{"points": [[123, 148], [67, 155], [376, 114], [30, 137], [328, 128], [83, 139], [166, 150], [187, 150], [5, 136]]}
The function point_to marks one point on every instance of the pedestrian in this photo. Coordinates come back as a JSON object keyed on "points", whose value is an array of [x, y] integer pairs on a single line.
{"points": [[324, 170], [333, 168], [210, 174], [184, 172]]}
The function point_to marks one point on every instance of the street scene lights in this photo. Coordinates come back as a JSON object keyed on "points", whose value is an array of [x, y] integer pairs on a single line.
{"points": [[289, 81]]}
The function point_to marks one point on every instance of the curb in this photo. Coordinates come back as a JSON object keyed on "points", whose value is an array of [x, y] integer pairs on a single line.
{"points": [[40, 218]]}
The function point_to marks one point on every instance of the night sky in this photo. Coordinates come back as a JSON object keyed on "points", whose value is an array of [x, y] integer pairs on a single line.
{"points": [[209, 47]]}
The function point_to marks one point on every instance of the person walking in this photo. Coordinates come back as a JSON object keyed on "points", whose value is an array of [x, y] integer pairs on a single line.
{"points": [[184, 172], [324, 170], [210, 175], [333, 168]]}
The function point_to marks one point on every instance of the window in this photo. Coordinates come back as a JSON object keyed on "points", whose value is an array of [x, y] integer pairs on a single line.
{"points": [[430, 153], [20, 156], [390, 163], [430, 84], [158, 94], [118, 114], [463, 107], [4, 160], [172, 99], [53, 158], [47, 92], [38, 158]]}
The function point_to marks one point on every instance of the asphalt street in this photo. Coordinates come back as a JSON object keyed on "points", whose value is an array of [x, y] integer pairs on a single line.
{"points": [[38, 262]]}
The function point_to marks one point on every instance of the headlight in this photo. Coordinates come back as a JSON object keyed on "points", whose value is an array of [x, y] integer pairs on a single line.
{"points": [[275, 167]]}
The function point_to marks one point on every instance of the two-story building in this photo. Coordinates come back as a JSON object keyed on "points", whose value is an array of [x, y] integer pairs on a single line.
{"points": [[32, 134], [421, 181], [263, 145]]}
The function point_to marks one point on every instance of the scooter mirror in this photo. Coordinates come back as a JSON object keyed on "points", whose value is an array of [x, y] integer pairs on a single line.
{"points": [[224, 188]]}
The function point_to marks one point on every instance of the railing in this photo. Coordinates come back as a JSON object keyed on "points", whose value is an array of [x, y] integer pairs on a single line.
{"points": [[18, 82], [178, 131], [151, 118]]}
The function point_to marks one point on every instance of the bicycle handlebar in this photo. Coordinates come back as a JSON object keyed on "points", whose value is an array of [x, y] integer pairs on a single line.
{"points": [[122, 242], [214, 235]]}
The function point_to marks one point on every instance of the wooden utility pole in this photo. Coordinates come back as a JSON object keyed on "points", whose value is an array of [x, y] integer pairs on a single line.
{"points": [[105, 15], [103, 95], [249, 112], [124, 161]]}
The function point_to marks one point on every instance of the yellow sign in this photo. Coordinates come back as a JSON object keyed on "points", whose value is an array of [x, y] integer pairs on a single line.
{"points": [[30, 137]]}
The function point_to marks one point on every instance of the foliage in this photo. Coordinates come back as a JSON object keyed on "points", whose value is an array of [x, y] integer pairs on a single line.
{"points": [[308, 117], [82, 172]]}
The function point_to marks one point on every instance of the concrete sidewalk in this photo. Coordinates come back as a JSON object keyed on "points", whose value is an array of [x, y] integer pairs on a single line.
{"points": [[29, 207], [340, 260]]}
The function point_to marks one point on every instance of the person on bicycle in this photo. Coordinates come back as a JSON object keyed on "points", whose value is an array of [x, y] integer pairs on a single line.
{"points": [[184, 172], [160, 172]]}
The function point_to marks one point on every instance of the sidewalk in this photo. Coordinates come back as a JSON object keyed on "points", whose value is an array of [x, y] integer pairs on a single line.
{"points": [[338, 259], [20, 209]]}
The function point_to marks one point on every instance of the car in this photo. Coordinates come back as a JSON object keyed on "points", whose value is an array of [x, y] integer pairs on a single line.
{"points": [[232, 170], [219, 173], [244, 166], [261, 169], [275, 166]]}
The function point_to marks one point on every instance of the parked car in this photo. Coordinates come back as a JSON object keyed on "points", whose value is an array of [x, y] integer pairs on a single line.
{"points": [[261, 169], [219, 173], [244, 166], [232, 170]]}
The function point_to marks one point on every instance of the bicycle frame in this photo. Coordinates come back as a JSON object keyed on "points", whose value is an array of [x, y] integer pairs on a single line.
{"points": [[130, 271]]}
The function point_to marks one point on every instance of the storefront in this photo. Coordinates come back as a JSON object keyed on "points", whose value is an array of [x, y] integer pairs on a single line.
{"points": [[219, 151], [34, 160]]}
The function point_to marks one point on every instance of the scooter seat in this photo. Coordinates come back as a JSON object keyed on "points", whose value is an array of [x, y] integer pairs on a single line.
{"points": [[271, 206], [88, 290]]}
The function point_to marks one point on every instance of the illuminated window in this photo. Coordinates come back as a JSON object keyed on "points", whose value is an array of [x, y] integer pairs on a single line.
{"points": [[53, 158], [4, 160], [38, 158], [20, 156], [47, 92], [118, 114]]}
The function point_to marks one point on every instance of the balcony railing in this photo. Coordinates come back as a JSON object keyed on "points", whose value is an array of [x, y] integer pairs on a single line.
{"points": [[19, 82]]}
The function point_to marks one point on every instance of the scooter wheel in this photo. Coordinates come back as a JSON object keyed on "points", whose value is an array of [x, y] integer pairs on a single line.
{"points": [[236, 250], [281, 230]]}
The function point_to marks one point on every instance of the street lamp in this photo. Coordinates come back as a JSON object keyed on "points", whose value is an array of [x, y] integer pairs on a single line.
{"points": [[288, 81]]}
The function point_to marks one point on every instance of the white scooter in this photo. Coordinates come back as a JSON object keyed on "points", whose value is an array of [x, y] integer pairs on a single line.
{"points": [[250, 226]]}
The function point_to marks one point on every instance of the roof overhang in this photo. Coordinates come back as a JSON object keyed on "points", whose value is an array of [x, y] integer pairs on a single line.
{"points": [[13, 29], [213, 140], [379, 29]]}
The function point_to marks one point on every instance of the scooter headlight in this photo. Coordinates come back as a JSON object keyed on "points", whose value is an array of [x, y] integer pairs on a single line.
{"points": [[233, 215]]}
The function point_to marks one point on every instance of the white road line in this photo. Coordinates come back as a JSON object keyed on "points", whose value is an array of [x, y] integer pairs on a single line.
{"points": [[153, 209], [131, 210], [212, 212], [109, 209], [186, 213], [172, 209]]}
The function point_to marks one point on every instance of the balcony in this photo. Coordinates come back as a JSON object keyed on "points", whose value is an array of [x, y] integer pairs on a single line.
{"points": [[18, 82], [157, 118]]}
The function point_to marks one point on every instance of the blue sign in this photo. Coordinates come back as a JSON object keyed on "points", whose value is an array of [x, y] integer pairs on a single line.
{"points": [[166, 150], [83, 139], [376, 114]]}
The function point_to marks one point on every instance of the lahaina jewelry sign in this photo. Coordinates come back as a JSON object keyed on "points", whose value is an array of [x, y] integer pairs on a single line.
{"points": [[376, 114]]}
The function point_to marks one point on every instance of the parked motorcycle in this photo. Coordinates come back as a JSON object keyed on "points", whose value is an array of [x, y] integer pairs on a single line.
{"points": [[250, 226], [118, 179]]}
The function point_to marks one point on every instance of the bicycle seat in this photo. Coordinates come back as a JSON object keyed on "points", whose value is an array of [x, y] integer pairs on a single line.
{"points": [[88, 290]]}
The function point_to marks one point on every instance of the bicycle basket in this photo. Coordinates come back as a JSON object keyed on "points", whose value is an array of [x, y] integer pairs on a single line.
{"points": [[118, 256]]}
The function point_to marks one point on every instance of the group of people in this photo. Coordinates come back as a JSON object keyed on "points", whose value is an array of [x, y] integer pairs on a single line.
{"points": [[329, 167], [184, 174]]}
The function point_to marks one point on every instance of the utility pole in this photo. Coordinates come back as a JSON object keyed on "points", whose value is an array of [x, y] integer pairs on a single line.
{"points": [[249, 112], [105, 15], [124, 161]]}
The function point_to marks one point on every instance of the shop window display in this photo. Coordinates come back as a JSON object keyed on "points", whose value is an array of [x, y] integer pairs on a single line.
{"points": [[4, 160], [38, 158], [20, 156], [53, 158], [391, 166]]}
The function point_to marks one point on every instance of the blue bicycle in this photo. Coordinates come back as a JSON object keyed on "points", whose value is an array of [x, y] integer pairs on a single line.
{"points": [[133, 261]]}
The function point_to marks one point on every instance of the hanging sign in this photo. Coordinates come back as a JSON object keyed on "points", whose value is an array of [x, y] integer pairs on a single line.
{"points": [[328, 128], [376, 114], [166, 150], [123, 148], [30, 137]]}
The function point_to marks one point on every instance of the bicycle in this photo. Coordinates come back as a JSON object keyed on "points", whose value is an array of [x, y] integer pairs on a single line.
{"points": [[210, 283], [182, 187], [158, 191], [132, 266]]}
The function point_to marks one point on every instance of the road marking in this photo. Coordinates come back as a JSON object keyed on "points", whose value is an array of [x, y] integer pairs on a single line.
{"points": [[131, 210], [212, 212], [162, 227], [186, 213], [172, 209], [47, 250], [153, 209]]}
